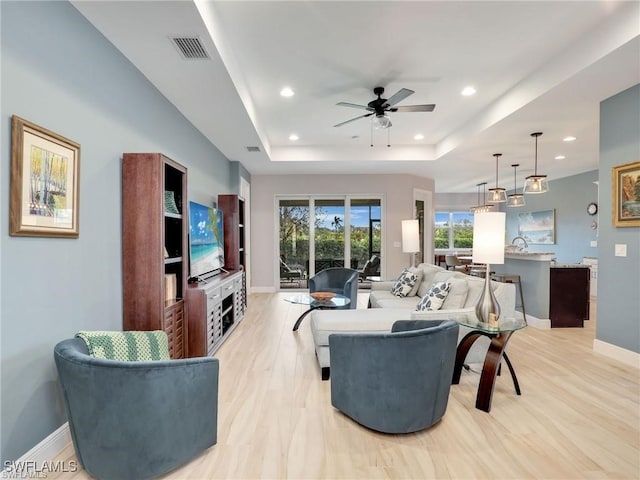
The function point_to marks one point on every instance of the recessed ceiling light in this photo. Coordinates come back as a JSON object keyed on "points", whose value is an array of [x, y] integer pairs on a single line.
{"points": [[468, 91], [418, 136], [293, 137], [570, 138], [286, 92], [560, 157]]}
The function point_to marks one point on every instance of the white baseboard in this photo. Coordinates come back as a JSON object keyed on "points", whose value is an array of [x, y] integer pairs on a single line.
{"points": [[617, 353], [535, 322], [45, 451]]}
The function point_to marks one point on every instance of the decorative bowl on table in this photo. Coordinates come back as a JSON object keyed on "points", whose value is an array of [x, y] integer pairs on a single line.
{"points": [[322, 296]]}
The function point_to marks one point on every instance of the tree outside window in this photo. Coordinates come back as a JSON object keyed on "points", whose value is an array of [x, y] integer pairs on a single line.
{"points": [[462, 230], [442, 230], [453, 230]]}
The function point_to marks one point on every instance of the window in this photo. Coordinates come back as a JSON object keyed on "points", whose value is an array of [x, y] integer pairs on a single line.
{"points": [[453, 230], [320, 232]]}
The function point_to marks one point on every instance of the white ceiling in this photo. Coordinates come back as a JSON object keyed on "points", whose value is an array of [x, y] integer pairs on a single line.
{"points": [[537, 66]]}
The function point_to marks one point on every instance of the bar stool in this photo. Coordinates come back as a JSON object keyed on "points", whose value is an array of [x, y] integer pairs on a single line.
{"points": [[510, 278]]}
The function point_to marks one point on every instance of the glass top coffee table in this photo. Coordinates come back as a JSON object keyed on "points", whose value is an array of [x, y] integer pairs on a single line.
{"points": [[499, 338], [306, 299]]}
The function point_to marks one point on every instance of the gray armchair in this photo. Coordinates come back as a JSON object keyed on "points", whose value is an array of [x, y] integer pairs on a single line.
{"points": [[396, 382], [137, 420], [338, 280]]}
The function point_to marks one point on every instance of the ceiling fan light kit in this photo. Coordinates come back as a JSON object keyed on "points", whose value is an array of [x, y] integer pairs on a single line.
{"points": [[381, 121], [380, 106], [497, 194], [536, 183]]}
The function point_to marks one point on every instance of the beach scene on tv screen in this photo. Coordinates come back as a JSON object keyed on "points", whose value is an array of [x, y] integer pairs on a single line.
{"points": [[206, 240]]}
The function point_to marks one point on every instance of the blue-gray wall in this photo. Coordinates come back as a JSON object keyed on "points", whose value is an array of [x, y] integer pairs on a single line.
{"points": [[618, 277], [60, 73], [569, 198]]}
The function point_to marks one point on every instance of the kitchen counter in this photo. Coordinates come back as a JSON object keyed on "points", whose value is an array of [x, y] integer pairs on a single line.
{"points": [[532, 256], [568, 265], [536, 270]]}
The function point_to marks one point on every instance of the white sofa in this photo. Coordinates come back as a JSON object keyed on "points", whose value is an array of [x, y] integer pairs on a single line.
{"points": [[385, 308]]}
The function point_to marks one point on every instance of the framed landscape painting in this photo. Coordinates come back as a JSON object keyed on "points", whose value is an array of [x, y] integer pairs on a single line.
{"points": [[538, 227], [626, 195], [45, 173]]}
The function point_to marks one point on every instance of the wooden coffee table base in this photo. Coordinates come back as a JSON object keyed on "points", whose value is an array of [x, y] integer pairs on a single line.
{"points": [[490, 368]]}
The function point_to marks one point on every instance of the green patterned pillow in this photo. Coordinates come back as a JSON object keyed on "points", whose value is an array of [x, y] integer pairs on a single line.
{"points": [[127, 346]]}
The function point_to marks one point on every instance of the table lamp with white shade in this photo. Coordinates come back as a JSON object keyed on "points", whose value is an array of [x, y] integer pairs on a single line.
{"points": [[410, 237], [488, 248]]}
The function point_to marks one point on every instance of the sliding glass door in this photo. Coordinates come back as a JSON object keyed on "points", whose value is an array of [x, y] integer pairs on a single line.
{"points": [[366, 236], [322, 232], [294, 242], [329, 234]]}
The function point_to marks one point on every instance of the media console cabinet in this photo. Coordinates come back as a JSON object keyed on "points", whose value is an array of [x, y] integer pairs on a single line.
{"points": [[214, 309]]}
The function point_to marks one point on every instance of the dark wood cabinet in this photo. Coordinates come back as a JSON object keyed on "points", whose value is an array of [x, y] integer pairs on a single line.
{"points": [[233, 218], [215, 308], [174, 326], [154, 246], [569, 296]]}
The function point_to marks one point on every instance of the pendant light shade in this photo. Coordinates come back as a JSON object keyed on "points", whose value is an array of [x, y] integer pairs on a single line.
{"points": [[497, 195], [536, 183], [515, 199]]}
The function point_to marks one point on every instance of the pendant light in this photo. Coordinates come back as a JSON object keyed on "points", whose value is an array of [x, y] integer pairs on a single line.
{"points": [[497, 195], [484, 207], [515, 199], [536, 183], [473, 209]]}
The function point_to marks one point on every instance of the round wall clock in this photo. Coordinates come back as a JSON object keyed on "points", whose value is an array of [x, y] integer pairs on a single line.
{"points": [[592, 208]]}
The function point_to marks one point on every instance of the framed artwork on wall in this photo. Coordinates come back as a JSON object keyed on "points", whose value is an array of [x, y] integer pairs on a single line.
{"points": [[45, 176], [538, 227], [626, 195]]}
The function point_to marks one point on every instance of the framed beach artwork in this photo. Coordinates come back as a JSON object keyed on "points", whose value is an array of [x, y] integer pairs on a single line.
{"points": [[626, 195], [45, 174], [538, 227]]}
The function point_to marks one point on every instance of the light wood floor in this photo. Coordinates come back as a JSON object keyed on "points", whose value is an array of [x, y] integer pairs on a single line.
{"points": [[578, 416]]}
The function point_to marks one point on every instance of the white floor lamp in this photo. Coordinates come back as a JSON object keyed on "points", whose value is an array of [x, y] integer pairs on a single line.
{"points": [[488, 248], [410, 238]]}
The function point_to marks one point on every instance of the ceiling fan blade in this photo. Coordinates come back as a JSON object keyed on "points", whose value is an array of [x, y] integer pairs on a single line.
{"points": [[399, 96], [414, 108], [353, 105], [353, 119]]}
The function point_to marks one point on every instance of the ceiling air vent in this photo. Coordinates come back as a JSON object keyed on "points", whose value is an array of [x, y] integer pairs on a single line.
{"points": [[253, 149], [190, 47]]}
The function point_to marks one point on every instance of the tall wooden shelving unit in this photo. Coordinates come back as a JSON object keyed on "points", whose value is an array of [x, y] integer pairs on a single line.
{"points": [[154, 245], [233, 219]]}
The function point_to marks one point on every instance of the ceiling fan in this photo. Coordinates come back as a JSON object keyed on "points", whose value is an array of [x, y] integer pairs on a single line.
{"points": [[380, 106]]}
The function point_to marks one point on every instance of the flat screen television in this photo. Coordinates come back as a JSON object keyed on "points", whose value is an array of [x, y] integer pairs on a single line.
{"points": [[206, 240]]}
